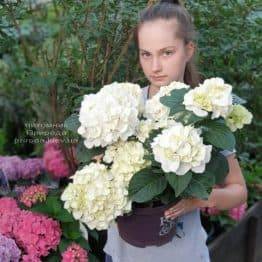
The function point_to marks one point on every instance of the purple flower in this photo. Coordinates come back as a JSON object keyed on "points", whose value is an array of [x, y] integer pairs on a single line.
{"points": [[31, 168], [10, 166], [15, 168], [8, 249]]}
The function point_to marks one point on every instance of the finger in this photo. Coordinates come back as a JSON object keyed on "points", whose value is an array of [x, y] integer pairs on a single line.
{"points": [[175, 214]]}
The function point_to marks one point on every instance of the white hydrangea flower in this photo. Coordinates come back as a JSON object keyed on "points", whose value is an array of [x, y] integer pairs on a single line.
{"points": [[143, 129], [94, 198], [180, 149], [212, 96], [110, 114], [154, 109], [127, 158], [238, 117]]}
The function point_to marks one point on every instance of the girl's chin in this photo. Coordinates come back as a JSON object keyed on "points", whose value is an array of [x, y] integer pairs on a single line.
{"points": [[161, 83]]}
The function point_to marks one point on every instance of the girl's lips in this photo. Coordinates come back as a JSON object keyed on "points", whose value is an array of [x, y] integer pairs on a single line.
{"points": [[158, 78]]}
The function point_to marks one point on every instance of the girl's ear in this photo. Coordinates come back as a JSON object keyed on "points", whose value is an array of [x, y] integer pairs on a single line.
{"points": [[190, 50]]}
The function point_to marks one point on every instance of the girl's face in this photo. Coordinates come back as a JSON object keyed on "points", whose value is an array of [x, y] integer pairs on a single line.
{"points": [[162, 55]]}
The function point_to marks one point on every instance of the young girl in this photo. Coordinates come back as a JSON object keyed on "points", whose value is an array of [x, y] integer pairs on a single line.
{"points": [[165, 40]]}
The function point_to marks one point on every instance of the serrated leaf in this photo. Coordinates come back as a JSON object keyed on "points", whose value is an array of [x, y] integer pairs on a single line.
{"points": [[187, 117], [72, 123], [217, 168], [174, 101], [64, 243], [196, 189], [71, 230], [178, 183], [85, 155], [83, 243], [93, 233], [64, 216], [145, 185], [216, 133]]}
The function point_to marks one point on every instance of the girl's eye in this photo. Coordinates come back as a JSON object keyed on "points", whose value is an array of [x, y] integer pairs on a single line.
{"points": [[145, 55], [168, 53]]}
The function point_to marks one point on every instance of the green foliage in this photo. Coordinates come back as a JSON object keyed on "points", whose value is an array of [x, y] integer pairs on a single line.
{"points": [[85, 155], [177, 110], [178, 183], [51, 55], [175, 100], [145, 185], [216, 133]]}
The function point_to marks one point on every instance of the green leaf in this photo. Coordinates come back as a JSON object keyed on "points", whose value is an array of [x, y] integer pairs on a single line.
{"points": [[187, 117], [85, 155], [51, 206], [174, 101], [72, 123], [168, 196], [71, 230], [83, 243], [64, 216], [178, 183], [93, 233], [217, 168], [92, 258], [52, 257], [64, 243], [216, 133], [196, 188], [145, 185]]}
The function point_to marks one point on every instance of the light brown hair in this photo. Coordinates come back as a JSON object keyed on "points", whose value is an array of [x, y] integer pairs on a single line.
{"points": [[169, 10]]}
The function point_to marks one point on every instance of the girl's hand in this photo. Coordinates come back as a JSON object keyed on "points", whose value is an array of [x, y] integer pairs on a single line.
{"points": [[182, 207]]}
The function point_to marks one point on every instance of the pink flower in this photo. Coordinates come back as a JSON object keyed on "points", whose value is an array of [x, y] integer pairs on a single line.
{"points": [[54, 159], [7, 204], [211, 211], [36, 234], [30, 258], [9, 211], [34, 194], [237, 213], [75, 253]]}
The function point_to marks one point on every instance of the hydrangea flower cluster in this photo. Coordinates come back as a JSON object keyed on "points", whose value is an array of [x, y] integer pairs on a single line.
{"points": [[110, 114], [35, 234], [238, 117], [212, 96], [94, 198], [73, 253], [237, 213], [9, 212], [155, 110], [10, 166], [33, 194], [15, 168], [127, 159], [180, 148], [32, 168], [8, 249], [54, 159]]}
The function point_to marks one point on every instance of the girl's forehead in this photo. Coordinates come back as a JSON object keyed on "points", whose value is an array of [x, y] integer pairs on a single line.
{"points": [[158, 34]]}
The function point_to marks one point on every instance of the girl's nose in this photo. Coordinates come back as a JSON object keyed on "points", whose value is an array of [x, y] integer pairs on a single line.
{"points": [[156, 65]]}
